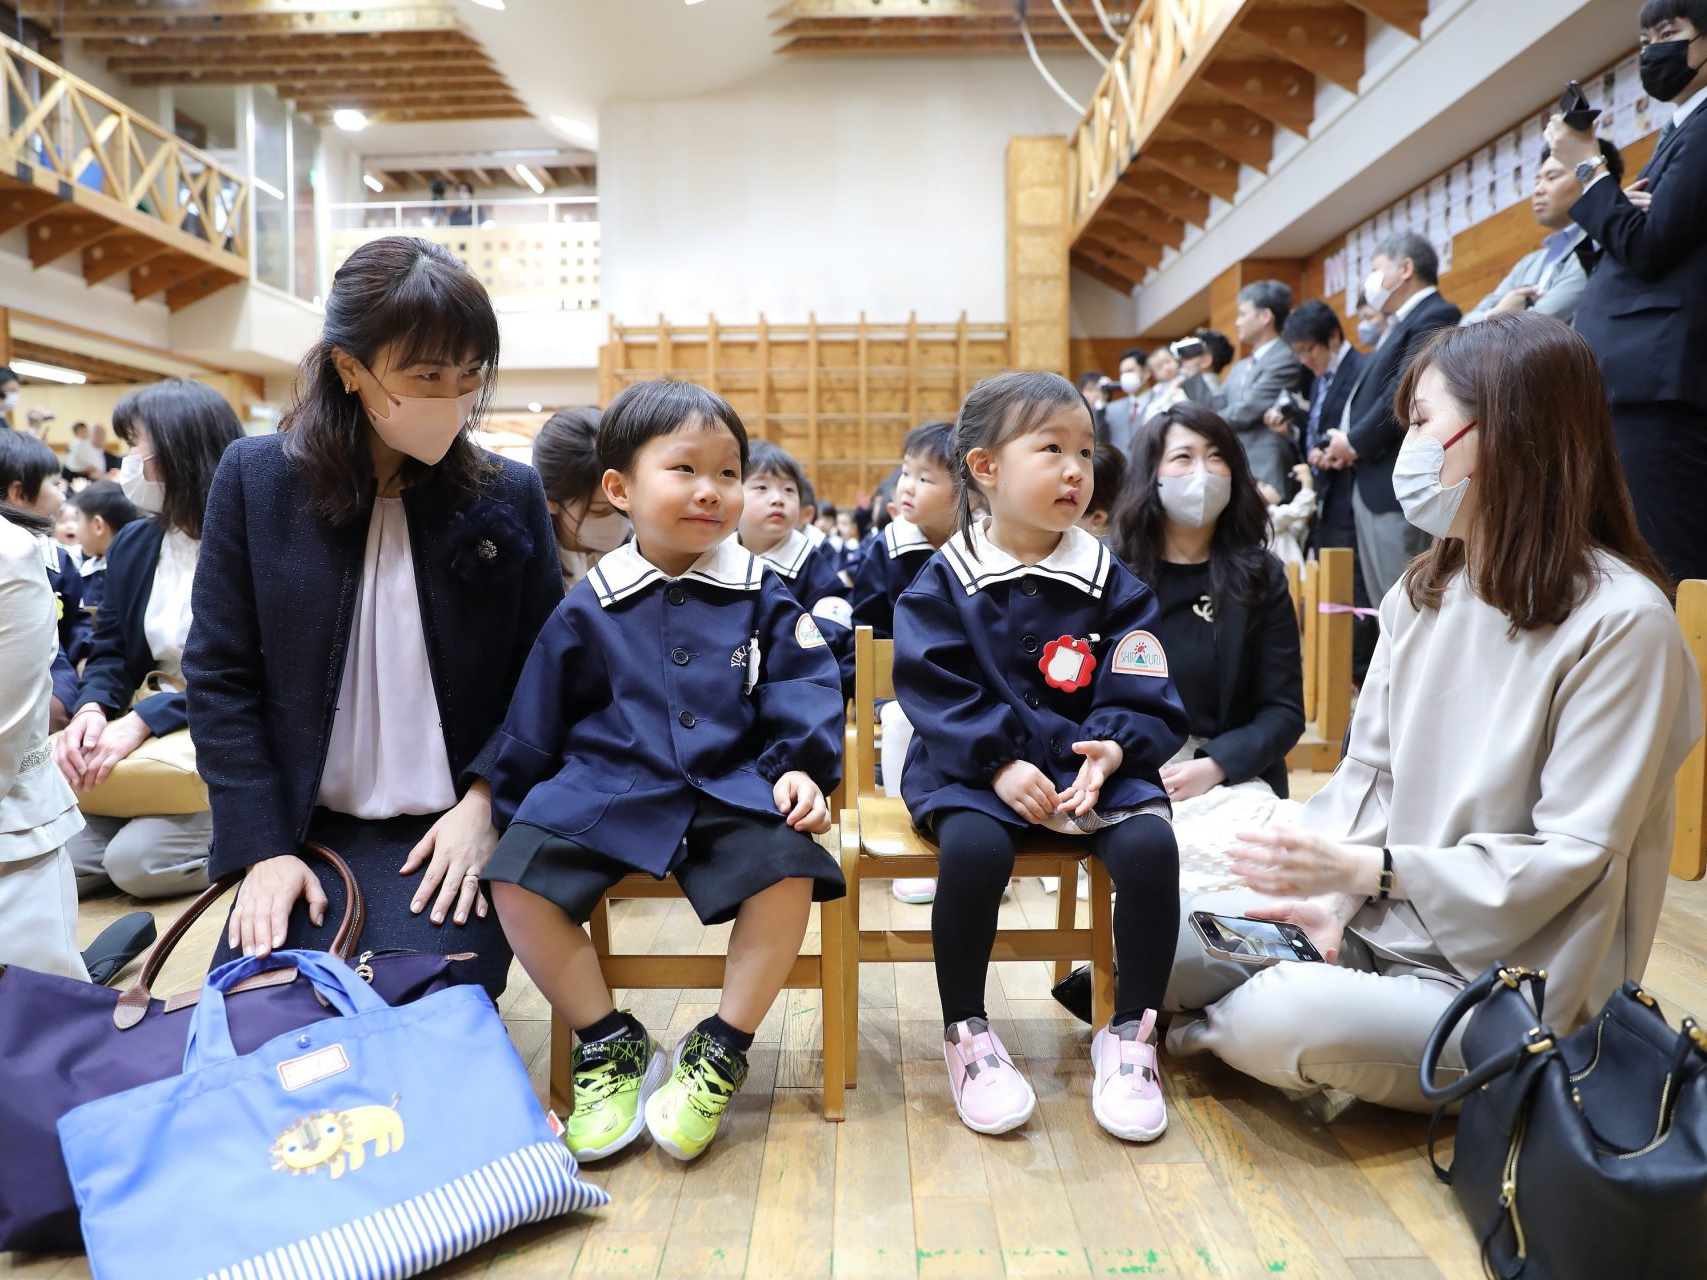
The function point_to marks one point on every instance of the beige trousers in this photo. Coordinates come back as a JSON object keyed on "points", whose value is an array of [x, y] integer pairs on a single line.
{"points": [[38, 915], [1357, 1025]]}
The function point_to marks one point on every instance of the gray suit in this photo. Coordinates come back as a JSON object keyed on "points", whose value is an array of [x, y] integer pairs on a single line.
{"points": [[1561, 280], [1252, 386]]}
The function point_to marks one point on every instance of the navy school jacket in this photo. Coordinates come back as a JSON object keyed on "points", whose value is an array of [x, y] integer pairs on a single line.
{"points": [[119, 655], [66, 578], [969, 635], [894, 561], [644, 692], [810, 574]]}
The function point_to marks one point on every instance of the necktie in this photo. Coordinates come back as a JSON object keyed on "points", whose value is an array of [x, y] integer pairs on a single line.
{"points": [[1323, 383]]}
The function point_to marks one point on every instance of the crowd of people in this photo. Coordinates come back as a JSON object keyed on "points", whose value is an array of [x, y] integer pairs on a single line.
{"points": [[495, 689]]}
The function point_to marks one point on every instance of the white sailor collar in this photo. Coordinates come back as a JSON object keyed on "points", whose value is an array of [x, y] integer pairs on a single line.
{"points": [[814, 535], [788, 557], [625, 571], [901, 536], [1080, 561]]}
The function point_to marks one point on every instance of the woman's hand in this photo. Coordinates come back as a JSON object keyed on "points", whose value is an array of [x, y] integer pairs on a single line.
{"points": [[1191, 778], [1323, 919], [1102, 762], [1022, 786], [73, 748], [118, 740], [455, 852], [1289, 862], [802, 800], [269, 890]]}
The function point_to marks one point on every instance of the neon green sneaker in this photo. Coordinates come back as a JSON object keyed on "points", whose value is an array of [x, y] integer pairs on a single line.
{"points": [[613, 1080], [685, 1112]]}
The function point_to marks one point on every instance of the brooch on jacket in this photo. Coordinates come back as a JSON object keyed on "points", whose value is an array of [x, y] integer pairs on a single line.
{"points": [[488, 543]]}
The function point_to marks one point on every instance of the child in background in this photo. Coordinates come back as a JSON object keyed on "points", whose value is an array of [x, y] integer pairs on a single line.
{"points": [[1289, 522], [770, 529], [713, 769], [1108, 466], [828, 521], [565, 453], [102, 510], [1025, 656], [65, 528]]}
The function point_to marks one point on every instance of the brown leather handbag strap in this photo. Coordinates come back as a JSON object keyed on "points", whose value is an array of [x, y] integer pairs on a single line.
{"points": [[133, 1002]]}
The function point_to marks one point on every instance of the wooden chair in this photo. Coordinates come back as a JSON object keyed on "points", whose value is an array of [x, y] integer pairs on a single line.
{"points": [[1689, 834], [823, 972], [1325, 596], [879, 843]]}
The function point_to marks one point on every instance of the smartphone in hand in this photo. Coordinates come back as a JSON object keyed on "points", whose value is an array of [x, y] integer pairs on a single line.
{"points": [[1258, 943]]}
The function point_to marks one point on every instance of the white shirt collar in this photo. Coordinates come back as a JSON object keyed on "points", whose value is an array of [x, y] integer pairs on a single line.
{"points": [[1683, 110], [1339, 356], [1080, 561], [1411, 302], [92, 565], [901, 536], [814, 535], [1256, 353], [788, 557], [625, 571]]}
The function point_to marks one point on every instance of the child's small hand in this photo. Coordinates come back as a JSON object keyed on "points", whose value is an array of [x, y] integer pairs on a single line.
{"points": [[1102, 762], [1025, 789], [802, 801]]}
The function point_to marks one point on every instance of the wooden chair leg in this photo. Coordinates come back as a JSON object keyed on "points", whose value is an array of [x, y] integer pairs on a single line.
{"points": [[598, 928], [850, 949], [1102, 945], [561, 1087], [832, 944], [1066, 907]]}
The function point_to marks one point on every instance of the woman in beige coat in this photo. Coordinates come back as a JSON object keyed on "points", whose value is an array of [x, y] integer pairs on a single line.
{"points": [[1507, 790]]}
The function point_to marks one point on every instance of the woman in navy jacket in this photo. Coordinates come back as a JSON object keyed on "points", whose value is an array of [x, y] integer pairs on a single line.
{"points": [[371, 585], [132, 685]]}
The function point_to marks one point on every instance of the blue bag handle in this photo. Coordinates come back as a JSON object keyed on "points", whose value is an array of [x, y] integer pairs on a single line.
{"points": [[210, 1031]]}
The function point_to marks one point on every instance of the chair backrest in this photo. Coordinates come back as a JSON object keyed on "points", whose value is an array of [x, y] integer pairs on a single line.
{"points": [[874, 672], [1333, 648], [1689, 832]]}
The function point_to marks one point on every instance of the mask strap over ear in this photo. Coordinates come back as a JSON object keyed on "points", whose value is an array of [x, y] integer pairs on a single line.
{"points": [[1468, 428], [391, 400]]}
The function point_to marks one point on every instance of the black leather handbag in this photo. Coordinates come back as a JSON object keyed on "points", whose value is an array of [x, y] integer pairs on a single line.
{"points": [[1581, 1158]]}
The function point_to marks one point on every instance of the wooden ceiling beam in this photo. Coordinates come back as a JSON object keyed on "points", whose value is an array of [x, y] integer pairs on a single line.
{"points": [[20, 206], [259, 72], [94, 368], [118, 254], [1132, 215], [319, 56], [1043, 23], [193, 25], [387, 101], [409, 115], [163, 44], [1407, 15], [1128, 255], [66, 230], [898, 44], [1277, 91], [798, 9], [197, 287], [161, 274], [296, 88], [1327, 41], [48, 12], [1197, 164], [1168, 193], [1235, 132], [1113, 278]]}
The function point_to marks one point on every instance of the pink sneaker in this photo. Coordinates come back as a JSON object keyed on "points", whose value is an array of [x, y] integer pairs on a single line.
{"points": [[1126, 1097], [989, 1092], [916, 891]]}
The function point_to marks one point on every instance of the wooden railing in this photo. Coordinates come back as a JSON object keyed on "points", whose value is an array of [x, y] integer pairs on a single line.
{"points": [[87, 148], [1165, 46]]}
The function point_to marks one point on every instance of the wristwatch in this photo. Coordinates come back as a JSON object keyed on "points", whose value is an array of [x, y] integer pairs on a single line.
{"points": [[1586, 170]]}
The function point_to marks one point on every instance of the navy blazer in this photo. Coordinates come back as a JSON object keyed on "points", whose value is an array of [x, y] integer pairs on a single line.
{"points": [[969, 635], [1375, 432], [811, 575], [1333, 488], [884, 573], [120, 658], [645, 692], [74, 626], [274, 602], [1645, 309]]}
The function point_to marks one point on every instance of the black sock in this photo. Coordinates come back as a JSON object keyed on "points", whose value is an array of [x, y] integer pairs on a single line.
{"points": [[618, 1022], [726, 1035]]}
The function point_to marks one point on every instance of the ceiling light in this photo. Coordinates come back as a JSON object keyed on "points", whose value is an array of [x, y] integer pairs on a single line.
{"points": [[269, 188], [535, 406], [526, 175], [349, 119], [48, 372], [372, 183], [490, 4], [692, 1], [578, 128]]}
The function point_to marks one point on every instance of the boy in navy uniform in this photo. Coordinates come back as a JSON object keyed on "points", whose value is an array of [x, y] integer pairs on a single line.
{"points": [[680, 714]]}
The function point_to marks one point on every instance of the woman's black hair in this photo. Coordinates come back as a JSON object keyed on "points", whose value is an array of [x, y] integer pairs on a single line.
{"points": [[398, 290], [26, 460], [643, 411], [106, 499], [1000, 409], [1108, 467], [1238, 552], [1655, 12], [566, 455], [190, 426]]}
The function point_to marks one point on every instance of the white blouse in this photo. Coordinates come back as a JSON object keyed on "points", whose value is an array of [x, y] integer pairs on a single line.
{"points": [[387, 755], [166, 621]]}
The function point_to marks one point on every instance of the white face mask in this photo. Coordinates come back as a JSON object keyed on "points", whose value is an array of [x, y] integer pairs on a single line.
{"points": [[603, 533], [1196, 499], [1369, 332], [145, 494], [1375, 292], [1130, 382], [9, 401], [1428, 504]]}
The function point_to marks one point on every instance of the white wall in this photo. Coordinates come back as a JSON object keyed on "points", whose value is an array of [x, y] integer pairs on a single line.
{"points": [[825, 185]]}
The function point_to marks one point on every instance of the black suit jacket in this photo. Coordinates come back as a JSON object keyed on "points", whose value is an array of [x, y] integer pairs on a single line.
{"points": [[120, 658], [1333, 488], [1374, 430], [274, 601], [1645, 309], [1261, 671]]}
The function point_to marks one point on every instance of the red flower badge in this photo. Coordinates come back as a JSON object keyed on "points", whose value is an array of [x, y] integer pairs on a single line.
{"points": [[1067, 664]]}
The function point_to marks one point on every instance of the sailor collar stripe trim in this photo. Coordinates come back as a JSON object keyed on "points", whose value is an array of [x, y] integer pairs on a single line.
{"points": [[901, 536], [625, 571], [1080, 561], [788, 557]]}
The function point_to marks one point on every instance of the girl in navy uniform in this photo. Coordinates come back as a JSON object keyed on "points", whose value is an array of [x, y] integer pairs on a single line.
{"points": [[680, 714], [770, 529], [102, 510], [1026, 657]]}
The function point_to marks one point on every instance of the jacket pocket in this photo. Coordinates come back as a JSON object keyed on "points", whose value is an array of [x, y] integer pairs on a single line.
{"points": [[1647, 300], [575, 799]]}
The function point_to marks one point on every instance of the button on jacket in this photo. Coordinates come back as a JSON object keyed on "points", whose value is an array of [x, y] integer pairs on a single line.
{"points": [[645, 692], [969, 637]]}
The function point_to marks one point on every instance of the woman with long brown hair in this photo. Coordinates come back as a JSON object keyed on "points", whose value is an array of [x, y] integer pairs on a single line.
{"points": [[1506, 794]]}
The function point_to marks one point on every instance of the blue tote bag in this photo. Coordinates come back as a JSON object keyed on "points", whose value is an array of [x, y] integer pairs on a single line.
{"points": [[377, 1144]]}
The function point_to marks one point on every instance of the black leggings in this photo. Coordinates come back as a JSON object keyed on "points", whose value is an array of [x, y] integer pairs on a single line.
{"points": [[975, 864]]}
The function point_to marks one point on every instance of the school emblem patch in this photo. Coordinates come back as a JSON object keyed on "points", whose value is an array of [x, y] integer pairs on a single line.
{"points": [[1140, 654], [806, 633]]}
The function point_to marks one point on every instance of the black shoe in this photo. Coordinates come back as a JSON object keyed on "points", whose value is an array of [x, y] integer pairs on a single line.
{"points": [[1073, 993], [118, 944]]}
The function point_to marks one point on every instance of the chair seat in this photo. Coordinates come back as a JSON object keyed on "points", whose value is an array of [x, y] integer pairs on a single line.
{"points": [[886, 831]]}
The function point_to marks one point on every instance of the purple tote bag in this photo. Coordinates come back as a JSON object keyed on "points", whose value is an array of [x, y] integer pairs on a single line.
{"points": [[64, 1043]]}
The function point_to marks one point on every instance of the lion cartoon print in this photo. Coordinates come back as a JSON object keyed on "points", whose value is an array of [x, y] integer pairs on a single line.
{"points": [[337, 1139]]}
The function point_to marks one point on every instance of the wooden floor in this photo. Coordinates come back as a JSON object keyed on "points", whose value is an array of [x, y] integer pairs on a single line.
{"points": [[1243, 1184]]}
